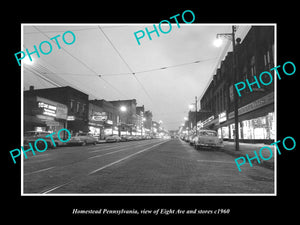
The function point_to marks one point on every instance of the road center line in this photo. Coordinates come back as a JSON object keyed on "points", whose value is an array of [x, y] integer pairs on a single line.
{"points": [[38, 171], [101, 168], [111, 147], [124, 149], [213, 161], [127, 157]]}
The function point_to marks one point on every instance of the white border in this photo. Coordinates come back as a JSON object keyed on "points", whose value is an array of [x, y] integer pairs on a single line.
{"points": [[153, 194]]}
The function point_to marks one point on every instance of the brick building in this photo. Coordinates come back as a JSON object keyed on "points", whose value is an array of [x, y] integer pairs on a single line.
{"points": [[254, 55], [75, 101]]}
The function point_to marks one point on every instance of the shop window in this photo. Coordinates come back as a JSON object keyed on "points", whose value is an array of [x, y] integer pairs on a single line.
{"points": [[259, 128], [223, 132]]}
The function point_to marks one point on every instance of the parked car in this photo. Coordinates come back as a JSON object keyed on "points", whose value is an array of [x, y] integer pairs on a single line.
{"points": [[82, 139], [113, 138], [191, 139], [124, 138], [32, 136], [130, 138], [207, 138]]}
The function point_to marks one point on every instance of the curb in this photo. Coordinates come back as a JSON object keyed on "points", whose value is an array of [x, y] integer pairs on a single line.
{"points": [[265, 164]]}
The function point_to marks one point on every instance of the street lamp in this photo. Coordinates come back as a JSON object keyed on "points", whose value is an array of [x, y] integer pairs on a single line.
{"points": [[122, 109], [218, 42], [192, 106]]}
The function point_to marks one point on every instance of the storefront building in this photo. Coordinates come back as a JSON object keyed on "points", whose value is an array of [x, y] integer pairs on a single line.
{"points": [[75, 101], [42, 114], [128, 122], [103, 118], [256, 121], [256, 111]]}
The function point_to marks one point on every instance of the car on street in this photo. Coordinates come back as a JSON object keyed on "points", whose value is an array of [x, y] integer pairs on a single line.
{"points": [[207, 139], [113, 138], [83, 139], [124, 138], [191, 139], [130, 138], [32, 136]]}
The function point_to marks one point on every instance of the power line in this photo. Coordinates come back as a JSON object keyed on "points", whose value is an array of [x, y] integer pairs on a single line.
{"points": [[125, 64], [82, 63], [160, 68], [143, 71]]}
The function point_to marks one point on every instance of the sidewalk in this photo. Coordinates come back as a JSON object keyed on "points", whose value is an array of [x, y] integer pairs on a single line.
{"points": [[249, 148]]}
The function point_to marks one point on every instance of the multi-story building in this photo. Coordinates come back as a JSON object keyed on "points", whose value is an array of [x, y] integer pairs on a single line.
{"points": [[42, 114], [75, 101], [255, 109], [128, 118], [140, 120], [148, 121], [103, 118]]}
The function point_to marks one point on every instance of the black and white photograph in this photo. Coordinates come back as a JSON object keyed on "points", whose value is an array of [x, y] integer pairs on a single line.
{"points": [[149, 109], [140, 111]]}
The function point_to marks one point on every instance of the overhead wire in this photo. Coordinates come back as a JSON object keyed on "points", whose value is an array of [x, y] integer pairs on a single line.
{"points": [[82, 63], [143, 71], [142, 86]]}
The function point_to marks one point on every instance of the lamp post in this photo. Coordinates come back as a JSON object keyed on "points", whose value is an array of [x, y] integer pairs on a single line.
{"points": [[217, 43], [191, 107], [122, 109]]}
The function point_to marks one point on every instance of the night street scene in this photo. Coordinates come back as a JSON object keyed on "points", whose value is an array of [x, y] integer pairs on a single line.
{"points": [[149, 112]]}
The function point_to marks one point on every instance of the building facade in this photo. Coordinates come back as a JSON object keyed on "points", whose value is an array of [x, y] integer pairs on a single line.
{"points": [[76, 102], [103, 118], [42, 114], [127, 119], [255, 109]]}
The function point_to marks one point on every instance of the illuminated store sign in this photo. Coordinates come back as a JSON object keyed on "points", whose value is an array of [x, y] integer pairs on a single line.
{"points": [[99, 116], [70, 118], [51, 108], [222, 117], [109, 122], [48, 109], [208, 120]]}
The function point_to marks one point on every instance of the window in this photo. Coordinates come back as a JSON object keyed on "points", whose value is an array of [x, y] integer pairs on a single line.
{"points": [[82, 108], [77, 106], [252, 66], [267, 60], [208, 133], [72, 105]]}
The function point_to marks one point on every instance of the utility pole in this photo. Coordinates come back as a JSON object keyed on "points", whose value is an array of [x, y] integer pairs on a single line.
{"points": [[231, 36], [236, 113], [196, 114]]}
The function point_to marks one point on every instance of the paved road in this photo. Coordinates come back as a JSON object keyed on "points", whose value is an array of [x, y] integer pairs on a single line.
{"points": [[139, 167]]}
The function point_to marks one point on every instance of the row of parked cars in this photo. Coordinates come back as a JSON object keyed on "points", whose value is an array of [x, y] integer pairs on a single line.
{"points": [[116, 138], [78, 139], [204, 139]]}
